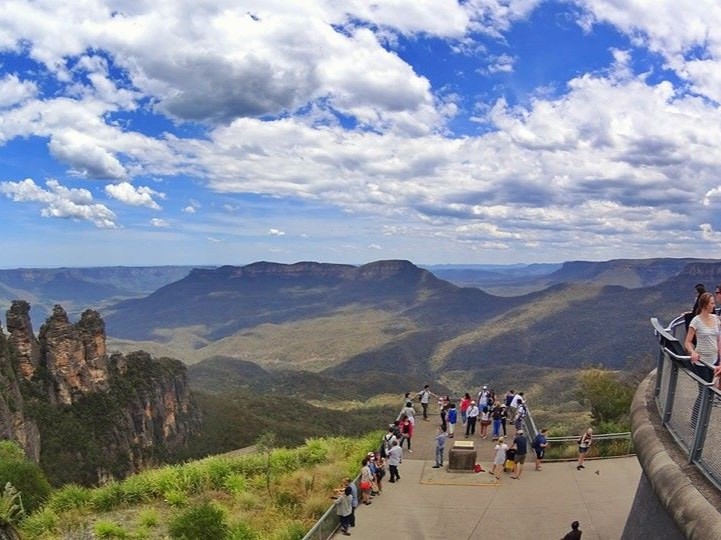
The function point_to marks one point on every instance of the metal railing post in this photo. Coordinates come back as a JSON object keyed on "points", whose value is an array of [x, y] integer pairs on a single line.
{"points": [[702, 423], [671, 394]]}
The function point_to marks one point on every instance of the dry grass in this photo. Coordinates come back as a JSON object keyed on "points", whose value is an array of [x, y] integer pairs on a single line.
{"points": [[309, 345]]}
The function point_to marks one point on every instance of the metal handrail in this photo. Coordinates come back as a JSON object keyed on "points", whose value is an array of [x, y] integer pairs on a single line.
{"points": [[680, 392]]}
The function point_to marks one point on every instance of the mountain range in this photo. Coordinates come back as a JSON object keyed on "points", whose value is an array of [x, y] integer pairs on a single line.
{"points": [[385, 317], [394, 317]]}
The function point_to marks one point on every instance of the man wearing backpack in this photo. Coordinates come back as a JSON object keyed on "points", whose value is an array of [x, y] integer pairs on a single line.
{"points": [[425, 396], [539, 445], [388, 439]]}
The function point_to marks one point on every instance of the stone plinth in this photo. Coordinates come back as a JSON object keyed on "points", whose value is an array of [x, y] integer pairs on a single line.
{"points": [[462, 457]]}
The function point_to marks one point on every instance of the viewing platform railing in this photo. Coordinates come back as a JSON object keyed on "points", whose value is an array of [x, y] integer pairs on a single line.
{"points": [[689, 406]]}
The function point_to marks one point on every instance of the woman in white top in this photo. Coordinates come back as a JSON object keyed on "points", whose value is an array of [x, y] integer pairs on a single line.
{"points": [[704, 328], [499, 457]]}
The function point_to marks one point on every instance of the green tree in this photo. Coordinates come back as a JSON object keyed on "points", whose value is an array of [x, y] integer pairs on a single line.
{"points": [[607, 394], [265, 444]]}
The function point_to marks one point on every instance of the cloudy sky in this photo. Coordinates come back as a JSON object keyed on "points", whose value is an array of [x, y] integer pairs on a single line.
{"points": [[138, 132]]}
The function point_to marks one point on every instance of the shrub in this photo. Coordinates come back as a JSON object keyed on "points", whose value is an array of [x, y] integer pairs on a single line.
{"points": [[68, 497], [242, 531], [236, 483], [29, 480], [11, 451], [107, 498], [203, 522], [109, 529], [136, 489], [176, 498], [149, 517], [41, 523], [11, 508], [291, 531]]}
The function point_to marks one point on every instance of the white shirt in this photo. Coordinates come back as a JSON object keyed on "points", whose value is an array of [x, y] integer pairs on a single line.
{"points": [[473, 411], [518, 398], [395, 455]]}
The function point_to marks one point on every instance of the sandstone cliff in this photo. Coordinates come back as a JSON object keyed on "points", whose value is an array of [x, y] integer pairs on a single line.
{"points": [[86, 416]]}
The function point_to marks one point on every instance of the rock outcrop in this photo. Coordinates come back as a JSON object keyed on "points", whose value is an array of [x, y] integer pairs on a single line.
{"points": [[134, 409], [74, 354]]}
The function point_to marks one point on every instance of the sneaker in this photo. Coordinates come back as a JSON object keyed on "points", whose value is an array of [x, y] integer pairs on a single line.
{"points": [[436, 467], [411, 451]]}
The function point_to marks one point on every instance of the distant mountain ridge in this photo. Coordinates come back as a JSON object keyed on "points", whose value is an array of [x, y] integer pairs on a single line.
{"points": [[516, 280], [229, 299], [80, 288], [420, 325], [396, 318]]}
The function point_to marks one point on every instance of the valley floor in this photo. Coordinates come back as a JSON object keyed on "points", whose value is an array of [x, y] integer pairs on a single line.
{"points": [[432, 503]]}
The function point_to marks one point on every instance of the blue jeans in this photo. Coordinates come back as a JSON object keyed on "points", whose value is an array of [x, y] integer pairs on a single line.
{"points": [[496, 428], [439, 456]]}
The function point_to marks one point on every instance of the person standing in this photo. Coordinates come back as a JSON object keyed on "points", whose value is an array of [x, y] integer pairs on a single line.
{"points": [[575, 533], [584, 443], [485, 418], [444, 404], [441, 437], [504, 419], [520, 445], [499, 457], [344, 508], [408, 411], [702, 338], [515, 403], [425, 396], [539, 446], [347, 482], [395, 458], [388, 439], [465, 403], [509, 397], [483, 397], [406, 432], [366, 481], [452, 419], [496, 415], [521, 413], [471, 419]]}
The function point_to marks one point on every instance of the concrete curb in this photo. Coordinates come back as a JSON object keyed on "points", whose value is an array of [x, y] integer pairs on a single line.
{"points": [[692, 513]]}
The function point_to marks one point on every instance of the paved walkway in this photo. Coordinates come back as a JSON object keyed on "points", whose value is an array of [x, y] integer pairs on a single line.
{"points": [[434, 504]]}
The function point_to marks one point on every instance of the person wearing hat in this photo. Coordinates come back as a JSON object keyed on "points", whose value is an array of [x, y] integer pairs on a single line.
{"points": [[483, 397], [472, 417], [520, 445]]}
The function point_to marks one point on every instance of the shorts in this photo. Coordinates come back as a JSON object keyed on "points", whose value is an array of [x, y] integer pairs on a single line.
{"points": [[520, 458], [582, 449], [540, 452]]}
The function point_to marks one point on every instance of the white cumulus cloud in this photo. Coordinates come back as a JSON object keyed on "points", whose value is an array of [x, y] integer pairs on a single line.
{"points": [[60, 202], [134, 196]]}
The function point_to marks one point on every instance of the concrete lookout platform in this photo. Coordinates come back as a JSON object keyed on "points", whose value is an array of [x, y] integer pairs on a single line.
{"points": [[428, 503], [673, 499]]}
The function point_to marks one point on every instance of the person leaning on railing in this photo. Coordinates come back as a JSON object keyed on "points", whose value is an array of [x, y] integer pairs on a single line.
{"points": [[704, 328]]}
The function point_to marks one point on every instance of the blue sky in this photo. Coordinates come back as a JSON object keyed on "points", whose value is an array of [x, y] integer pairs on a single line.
{"points": [[481, 131]]}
